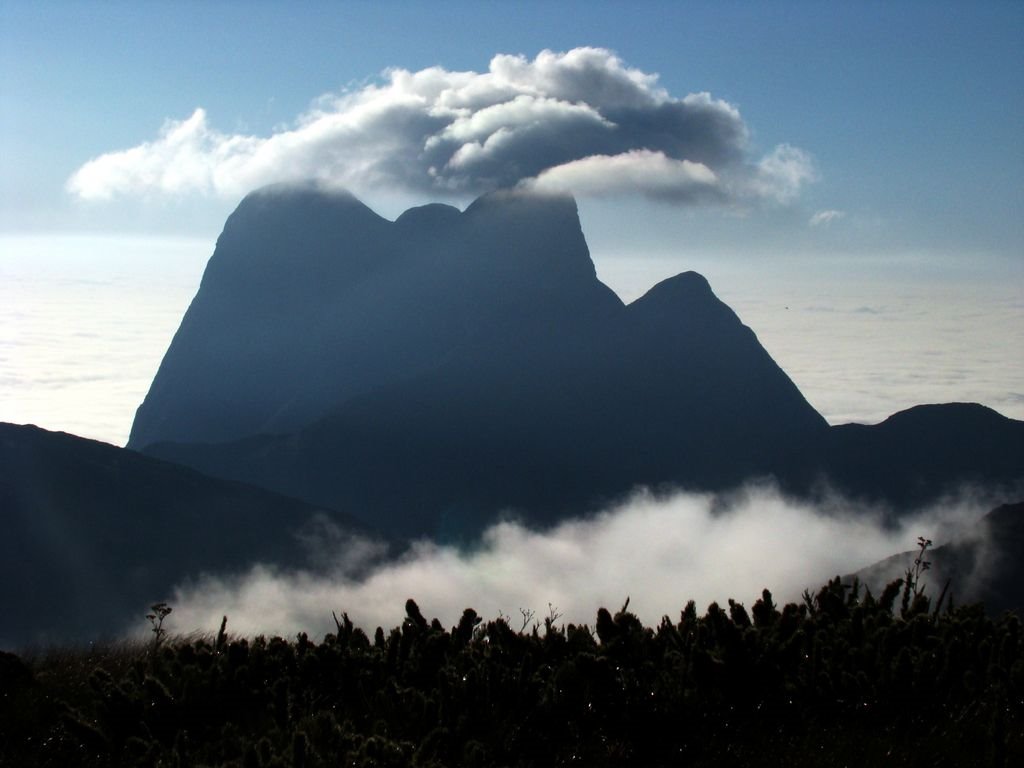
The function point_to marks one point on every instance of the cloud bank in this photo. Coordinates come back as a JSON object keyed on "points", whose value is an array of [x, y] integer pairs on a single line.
{"points": [[580, 121], [660, 552]]}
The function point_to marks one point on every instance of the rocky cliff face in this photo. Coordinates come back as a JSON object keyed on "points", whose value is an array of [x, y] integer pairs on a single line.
{"points": [[451, 364], [310, 299]]}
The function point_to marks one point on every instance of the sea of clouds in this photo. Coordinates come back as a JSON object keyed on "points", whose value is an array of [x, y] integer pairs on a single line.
{"points": [[865, 337], [85, 321]]}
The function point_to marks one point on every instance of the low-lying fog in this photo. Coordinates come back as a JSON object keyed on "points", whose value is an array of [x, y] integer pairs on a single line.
{"points": [[659, 552]]}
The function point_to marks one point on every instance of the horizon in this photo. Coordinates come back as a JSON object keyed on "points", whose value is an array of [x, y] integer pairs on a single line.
{"points": [[850, 344]]}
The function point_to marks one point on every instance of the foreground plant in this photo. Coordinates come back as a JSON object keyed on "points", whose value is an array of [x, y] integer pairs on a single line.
{"points": [[840, 679]]}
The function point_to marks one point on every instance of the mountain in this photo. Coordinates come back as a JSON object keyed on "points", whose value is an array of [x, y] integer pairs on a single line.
{"points": [[915, 457], [985, 564], [93, 534], [311, 299], [427, 374]]}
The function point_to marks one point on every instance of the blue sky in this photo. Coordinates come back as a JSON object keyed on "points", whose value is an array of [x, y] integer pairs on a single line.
{"points": [[904, 124], [912, 112]]}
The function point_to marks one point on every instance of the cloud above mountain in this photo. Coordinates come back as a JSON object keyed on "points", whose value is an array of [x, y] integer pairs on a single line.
{"points": [[580, 121]]}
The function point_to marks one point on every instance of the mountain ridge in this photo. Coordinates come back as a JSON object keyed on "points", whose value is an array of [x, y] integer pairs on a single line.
{"points": [[445, 367], [94, 533]]}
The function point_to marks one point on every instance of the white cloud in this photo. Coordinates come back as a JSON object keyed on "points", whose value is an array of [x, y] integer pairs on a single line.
{"points": [[659, 552], [824, 218], [581, 116], [782, 173], [637, 171]]}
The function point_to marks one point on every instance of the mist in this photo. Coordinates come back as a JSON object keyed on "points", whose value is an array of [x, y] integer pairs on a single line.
{"points": [[659, 551]]}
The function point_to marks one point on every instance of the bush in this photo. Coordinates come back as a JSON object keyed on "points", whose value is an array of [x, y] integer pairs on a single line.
{"points": [[840, 679]]}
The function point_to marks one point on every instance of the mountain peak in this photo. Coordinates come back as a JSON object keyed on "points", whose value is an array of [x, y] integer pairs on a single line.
{"points": [[686, 296], [686, 286], [278, 204], [430, 216], [306, 186], [918, 415], [311, 298], [524, 200]]}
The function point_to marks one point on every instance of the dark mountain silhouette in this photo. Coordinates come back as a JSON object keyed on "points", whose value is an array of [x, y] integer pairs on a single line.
{"points": [[983, 564], [428, 373], [916, 456], [93, 534], [467, 363], [310, 299]]}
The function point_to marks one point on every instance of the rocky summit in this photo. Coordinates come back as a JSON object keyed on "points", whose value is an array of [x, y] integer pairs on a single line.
{"points": [[311, 299], [427, 374], [450, 364]]}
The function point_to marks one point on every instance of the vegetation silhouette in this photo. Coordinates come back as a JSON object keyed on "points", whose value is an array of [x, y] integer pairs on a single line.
{"points": [[839, 679], [160, 611]]}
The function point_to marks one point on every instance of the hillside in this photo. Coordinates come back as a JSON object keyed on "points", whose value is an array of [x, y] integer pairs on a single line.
{"points": [[984, 564], [93, 534]]}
